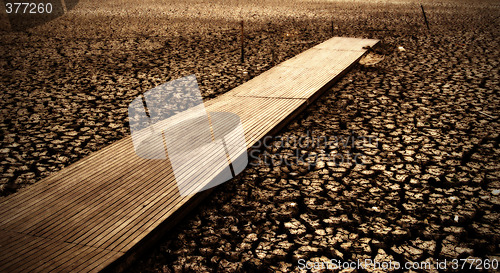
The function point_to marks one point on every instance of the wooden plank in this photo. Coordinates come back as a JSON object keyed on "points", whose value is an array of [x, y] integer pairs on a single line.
{"points": [[40, 253], [347, 44], [96, 212]]}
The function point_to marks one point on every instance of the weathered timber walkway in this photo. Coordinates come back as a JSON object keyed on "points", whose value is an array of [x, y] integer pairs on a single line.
{"points": [[96, 213]]}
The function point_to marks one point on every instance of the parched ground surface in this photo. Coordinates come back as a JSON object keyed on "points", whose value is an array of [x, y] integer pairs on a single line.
{"points": [[425, 189]]}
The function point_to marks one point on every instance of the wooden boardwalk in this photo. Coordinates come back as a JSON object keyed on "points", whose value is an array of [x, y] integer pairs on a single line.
{"points": [[98, 212]]}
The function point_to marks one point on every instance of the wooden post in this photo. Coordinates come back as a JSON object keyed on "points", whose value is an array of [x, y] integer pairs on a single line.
{"points": [[425, 17], [273, 50], [272, 54], [273, 43], [242, 43]]}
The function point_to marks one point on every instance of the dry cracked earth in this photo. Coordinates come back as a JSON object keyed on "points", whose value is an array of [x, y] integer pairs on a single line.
{"points": [[425, 188]]}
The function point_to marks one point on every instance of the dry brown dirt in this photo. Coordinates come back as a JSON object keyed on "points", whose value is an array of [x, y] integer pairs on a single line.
{"points": [[428, 190]]}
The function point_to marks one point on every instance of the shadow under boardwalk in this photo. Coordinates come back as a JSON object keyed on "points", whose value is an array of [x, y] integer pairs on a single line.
{"points": [[96, 213]]}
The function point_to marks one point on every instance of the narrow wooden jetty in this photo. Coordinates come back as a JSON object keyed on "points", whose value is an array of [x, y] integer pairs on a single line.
{"points": [[97, 213]]}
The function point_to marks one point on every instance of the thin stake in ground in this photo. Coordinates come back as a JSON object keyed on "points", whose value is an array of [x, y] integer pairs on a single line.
{"points": [[425, 17], [242, 43]]}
